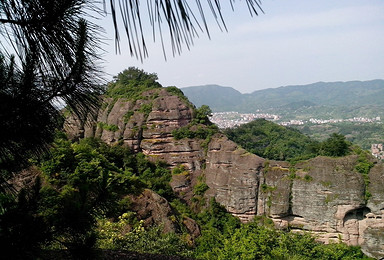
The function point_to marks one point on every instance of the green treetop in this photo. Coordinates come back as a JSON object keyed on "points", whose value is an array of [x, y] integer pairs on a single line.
{"points": [[130, 82]]}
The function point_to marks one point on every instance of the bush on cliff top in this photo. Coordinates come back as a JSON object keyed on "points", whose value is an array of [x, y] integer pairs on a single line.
{"points": [[272, 141], [131, 83]]}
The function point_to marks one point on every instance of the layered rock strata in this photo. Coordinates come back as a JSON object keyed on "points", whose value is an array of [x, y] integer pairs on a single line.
{"points": [[325, 196]]}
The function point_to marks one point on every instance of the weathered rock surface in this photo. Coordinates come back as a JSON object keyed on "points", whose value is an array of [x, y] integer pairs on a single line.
{"points": [[153, 210], [24, 179], [326, 196], [233, 177]]}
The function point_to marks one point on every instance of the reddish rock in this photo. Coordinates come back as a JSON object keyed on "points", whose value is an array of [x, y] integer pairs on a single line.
{"points": [[154, 210]]}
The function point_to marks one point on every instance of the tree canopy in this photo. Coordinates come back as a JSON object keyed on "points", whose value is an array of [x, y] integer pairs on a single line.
{"points": [[131, 82], [272, 141]]}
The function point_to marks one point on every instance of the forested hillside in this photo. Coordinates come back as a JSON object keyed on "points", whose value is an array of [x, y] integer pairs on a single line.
{"points": [[218, 98], [329, 94]]}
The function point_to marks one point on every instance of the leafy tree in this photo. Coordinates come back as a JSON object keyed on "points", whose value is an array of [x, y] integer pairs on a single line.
{"points": [[131, 83], [202, 114], [88, 180], [335, 146], [47, 57], [22, 229], [134, 76], [113, 235], [273, 141], [216, 225], [82, 184]]}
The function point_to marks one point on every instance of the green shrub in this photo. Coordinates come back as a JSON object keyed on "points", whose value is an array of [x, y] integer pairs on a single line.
{"points": [[200, 132], [336, 145], [200, 188], [201, 115], [308, 178], [131, 83], [146, 109], [180, 169], [105, 126], [128, 116], [112, 235], [183, 132]]}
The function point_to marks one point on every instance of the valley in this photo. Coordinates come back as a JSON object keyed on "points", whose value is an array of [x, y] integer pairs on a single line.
{"points": [[315, 109]]}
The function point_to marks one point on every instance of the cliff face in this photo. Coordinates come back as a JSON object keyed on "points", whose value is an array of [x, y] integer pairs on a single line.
{"points": [[146, 126], [323, 195], [233, 176]]}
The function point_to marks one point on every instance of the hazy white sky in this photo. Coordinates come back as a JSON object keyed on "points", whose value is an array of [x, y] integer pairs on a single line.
{"points": [[294, 42]]}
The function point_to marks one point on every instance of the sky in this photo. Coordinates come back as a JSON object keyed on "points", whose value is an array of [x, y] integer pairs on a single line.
{"points": [[294, 42]]}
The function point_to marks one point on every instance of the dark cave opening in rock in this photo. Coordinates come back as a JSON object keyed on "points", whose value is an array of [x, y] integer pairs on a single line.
{"points": [[358, 214]]}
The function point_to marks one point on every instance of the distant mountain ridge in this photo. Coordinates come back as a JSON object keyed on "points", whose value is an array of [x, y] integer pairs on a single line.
{"points": [[338, 94], [219, 98]]}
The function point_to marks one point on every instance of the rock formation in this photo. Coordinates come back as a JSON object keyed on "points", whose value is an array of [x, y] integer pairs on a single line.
{"points": [[153, 209], [325, 196]]}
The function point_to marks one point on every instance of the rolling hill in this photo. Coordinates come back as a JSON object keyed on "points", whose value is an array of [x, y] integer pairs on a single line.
{"points": [[328, 94]]}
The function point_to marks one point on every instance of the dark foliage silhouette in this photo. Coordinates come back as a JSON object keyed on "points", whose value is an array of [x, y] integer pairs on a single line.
{"points": [[47, 59]]}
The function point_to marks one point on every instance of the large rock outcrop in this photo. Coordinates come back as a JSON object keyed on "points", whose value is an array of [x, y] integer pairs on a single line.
{"points": [[233, 176], [146, 125], [153, 210], [326, 196]]}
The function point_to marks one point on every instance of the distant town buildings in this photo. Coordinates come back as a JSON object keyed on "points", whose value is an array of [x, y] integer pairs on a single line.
{"points": [[355, 119], [232, 119], [377, 151], [328, 121], [292, 122]]}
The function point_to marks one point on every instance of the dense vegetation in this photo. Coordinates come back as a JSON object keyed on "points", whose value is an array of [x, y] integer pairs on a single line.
{"points": [[131, 83], [80, 203], [82, 185], [200, 127], [255, 241], [272, 141], [363, 135]]}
